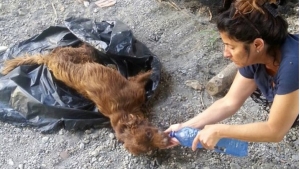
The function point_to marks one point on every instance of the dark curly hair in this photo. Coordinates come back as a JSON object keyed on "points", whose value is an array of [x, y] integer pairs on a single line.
{"points": [[257, 21]]}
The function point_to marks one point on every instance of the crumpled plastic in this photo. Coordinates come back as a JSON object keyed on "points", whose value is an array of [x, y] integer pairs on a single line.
{"points": [[30, 96]]}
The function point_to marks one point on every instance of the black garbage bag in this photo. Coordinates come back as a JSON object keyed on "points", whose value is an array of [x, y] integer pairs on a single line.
{"points": [[30, 96]]}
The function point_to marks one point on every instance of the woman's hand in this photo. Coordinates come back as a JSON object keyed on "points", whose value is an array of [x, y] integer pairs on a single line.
{"points": [[208, 137], [175, 127]]}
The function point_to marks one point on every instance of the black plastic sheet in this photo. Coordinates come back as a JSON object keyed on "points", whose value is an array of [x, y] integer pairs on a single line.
{"points": [[30, 95]]}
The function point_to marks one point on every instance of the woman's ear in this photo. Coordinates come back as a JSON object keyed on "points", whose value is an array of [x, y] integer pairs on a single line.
{"points": [[259, 44]]}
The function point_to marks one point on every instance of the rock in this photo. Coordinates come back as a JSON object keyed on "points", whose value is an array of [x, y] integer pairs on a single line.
{"points": [[88, 131], [45, 139], [21, 166], [94, 136], [94, 153], [295, 157], [81, 146], [86, 141], [111, 135], [3, 48], [62, 8], [100, 159], [10, 162], [234, 166], [21, 12], [86, 3], [61, 132], [64, 155], [93, 159], [194, 84], [266, 166]]}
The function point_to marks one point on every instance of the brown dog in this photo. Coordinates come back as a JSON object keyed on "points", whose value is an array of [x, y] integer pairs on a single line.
{"points": [[116, 97]]}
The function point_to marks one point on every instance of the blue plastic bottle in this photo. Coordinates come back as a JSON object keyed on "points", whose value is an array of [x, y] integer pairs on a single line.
{"points": [[233, 147]]}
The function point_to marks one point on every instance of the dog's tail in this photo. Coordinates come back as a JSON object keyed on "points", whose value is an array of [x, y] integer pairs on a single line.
{"points": [[9, 65]]}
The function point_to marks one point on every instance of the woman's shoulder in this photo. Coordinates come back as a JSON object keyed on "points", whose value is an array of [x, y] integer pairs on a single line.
{"points": [[290, 48], [292, 39], [249, 71], [288, 73], [290, 54]]}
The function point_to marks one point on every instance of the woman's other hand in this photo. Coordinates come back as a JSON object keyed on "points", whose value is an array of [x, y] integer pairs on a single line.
{"points": [[208, 137]]}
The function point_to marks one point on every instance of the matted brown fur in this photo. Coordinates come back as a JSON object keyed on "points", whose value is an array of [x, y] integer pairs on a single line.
{"points": [[116, 97]]}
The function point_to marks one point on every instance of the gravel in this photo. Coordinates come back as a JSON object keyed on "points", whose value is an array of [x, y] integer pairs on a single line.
{"points": [[189, 48]]}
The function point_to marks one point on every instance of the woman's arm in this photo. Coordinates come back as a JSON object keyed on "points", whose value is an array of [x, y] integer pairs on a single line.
{"points": [[283, 113], [284, 110], [239, 91]]}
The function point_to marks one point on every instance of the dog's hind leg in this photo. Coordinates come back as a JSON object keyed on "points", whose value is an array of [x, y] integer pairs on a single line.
{"points": [[9, 65]]}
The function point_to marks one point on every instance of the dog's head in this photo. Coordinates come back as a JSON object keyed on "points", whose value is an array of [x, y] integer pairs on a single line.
{"points": [[139, 136]]}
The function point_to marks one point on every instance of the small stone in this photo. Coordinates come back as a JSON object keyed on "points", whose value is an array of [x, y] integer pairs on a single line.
{"points": [[61, 132], [81, 146], [21, 12], [64, 155], [86, 3], [99, 148], [194, 84], [295, 157], [234, 166], [62, 9], [45, 139], [3, 48], [111, 135], [86, 141], [94, 153], [10, 162], [94, 159], [95, 10], [88, 132], [21, 166], [95, 136]]}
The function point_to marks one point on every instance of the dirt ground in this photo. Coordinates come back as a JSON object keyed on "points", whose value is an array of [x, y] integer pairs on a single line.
{"points": [[185, 39]]}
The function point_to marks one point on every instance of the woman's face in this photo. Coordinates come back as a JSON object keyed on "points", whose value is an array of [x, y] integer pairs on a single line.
{"points": [[236, 52]]}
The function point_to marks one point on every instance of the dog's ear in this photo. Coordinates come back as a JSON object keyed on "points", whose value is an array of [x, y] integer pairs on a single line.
{"points": [[126, 126], [132, 121]]}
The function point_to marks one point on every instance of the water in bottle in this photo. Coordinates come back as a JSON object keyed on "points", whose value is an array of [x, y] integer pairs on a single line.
{"points": [[234, 147]]}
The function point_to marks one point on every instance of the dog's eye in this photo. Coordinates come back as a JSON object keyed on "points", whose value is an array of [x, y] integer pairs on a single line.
{"points": [[149, 134]]}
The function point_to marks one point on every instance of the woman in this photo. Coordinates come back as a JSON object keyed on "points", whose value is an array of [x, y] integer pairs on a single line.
{"points": [[257, 41]]}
